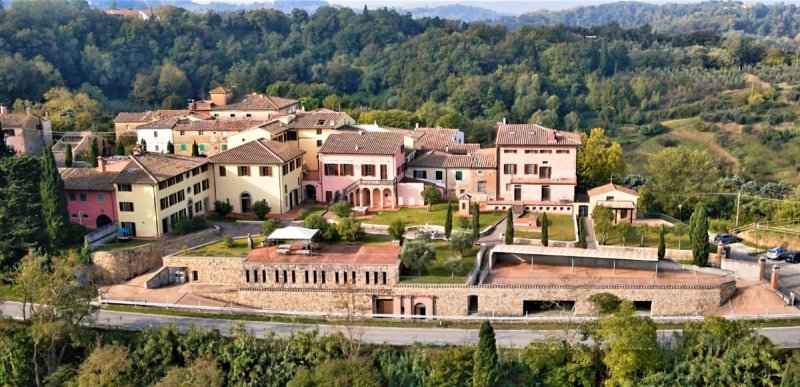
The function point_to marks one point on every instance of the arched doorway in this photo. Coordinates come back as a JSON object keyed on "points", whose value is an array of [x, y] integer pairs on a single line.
{"points": [[246, 202], [311, 193], [190, 208], [365, 196], [103, 220], [419, 309]]}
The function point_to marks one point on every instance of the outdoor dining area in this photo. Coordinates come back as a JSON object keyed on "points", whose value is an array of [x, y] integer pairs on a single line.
{"points": [[293, 240]]}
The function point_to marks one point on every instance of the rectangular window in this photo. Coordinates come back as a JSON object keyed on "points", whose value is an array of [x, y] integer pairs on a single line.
{"points": [[183, 146], [182, 133], [322, 274], [248, 115], [255, 275], [336, 277], [126, 206], [509, 151], [544, 172], [198, 207], [420, 174], [224, 147], [266, 171], [531, 169], [101, 197], [509, 169], [247, 276], [366, 278], [306, 276], [72, 196], [482, 186], [233, 115], [546, 151], [222, 171], [124, 187], [244, 170], [200, 133], [384, 278], [130, 226], [459, 175], [321, 122], [528, 151], [277, 277], [294, 278], [196, 188], [155, 134], [347, 169], [205, 184], [562, 151], [439, 175], [353, 277], [201, 147], [345, 278], [331, 170], [319, 143], [285, 169], [367, 170]]}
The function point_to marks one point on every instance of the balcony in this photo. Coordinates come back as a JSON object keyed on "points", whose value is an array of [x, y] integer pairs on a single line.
{"points": [[544, 181]]}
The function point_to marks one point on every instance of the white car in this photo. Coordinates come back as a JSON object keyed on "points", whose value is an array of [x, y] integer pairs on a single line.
{"points": [[775, 252]]}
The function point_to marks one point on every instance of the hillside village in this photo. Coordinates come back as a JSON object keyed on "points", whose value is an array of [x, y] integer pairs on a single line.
{"points": [[351, 208]]}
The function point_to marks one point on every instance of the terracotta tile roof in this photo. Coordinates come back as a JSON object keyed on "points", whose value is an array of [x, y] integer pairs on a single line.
{"points": [[219, 90], [609, 188], [167, 123], [435, 138], [374, 143], [16, 120], [258, 152], [148, 115], [531, 134], [256, 102], [87, 179], [484, 159], [153, 168], [219, 125], [321, 118]]}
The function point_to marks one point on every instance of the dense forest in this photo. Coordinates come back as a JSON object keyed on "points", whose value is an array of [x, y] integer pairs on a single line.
{"points": [[731, 93]]}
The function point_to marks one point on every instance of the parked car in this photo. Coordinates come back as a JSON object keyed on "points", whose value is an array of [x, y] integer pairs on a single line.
{"points": [[775, 252], [790, 256], [724, 239]]}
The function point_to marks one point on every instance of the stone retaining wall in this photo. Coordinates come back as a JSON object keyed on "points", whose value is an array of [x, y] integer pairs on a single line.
{"points": [[116, 266], [753, 271], [209, 270], [451, 300]]}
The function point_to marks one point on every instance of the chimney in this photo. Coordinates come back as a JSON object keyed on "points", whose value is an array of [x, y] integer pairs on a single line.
{"points": [[447, 149], [101, 164], [2, 109], [504, 120], [416, 125], [28, 110]]}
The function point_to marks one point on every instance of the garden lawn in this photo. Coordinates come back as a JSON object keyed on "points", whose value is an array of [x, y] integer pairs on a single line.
{"points": [[436, 216], [374, 239], [561, 228], [311, 211], [634, 237], [436, 273], [218, 249]]}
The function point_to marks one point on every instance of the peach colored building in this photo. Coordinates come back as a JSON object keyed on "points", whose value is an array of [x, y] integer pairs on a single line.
{"points": [[362, 168], [259, 170], [125, 123], [536, 166], [26, 133], [620, 200], [225, 104], [474, 173], [309, 130], [210, 135]]}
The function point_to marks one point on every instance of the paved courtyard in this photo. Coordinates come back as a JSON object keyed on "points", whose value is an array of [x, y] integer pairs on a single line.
{"points": [[341, 253], [178, 294]]}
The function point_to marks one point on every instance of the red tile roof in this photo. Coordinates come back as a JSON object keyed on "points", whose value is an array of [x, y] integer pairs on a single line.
{"points": [[531, 134], [610, 188], [375, 143], [321, 118], [148, 116], [485, 158], [219, 125], [153, 168], [87, 179], [258, 152], [256, 102]]}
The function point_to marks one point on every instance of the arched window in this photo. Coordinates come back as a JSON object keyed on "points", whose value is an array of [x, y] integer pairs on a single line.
{"points": [[246, 202]]}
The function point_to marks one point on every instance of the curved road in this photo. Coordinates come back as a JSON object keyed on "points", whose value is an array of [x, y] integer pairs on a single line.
{"points": [[787, 337]]}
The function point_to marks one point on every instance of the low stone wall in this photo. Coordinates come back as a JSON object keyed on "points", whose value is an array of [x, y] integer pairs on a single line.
{"points": [[209, 270], [753, 271], [116, 266], [673, 254], [538, 242]]}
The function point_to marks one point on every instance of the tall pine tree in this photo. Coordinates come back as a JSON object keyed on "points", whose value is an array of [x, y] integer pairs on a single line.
{"points": [[509, 237], [698, 235], [545, 232], [448, 221], [20, 208], [485, 371], [54, 201], [119, 148], [170, 148], [68, 156]]}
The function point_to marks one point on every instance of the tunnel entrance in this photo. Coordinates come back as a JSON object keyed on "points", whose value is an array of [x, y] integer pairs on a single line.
{"points": [[539, 307]]}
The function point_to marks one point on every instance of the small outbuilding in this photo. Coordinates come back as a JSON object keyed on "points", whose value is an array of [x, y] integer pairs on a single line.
{"points": [[620, 200]]}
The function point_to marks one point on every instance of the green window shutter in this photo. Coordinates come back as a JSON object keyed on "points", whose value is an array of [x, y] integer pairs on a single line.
{"points": [[202, 147], [458, 175], [183, 147]]}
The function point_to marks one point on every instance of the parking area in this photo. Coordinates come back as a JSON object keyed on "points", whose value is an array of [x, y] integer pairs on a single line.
{"points": [[178, 294], [789, 272]]}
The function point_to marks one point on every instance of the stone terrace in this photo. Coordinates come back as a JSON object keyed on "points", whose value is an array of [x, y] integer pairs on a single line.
{"points": [[331, 253]]}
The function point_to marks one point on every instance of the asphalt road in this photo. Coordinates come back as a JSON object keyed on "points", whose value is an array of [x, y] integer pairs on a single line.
{"points": [[790, 272], [788, 337]]}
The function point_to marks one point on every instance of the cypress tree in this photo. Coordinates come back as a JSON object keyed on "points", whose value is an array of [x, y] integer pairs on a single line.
{"points": [[119, 149], [509, 228], [195, 149], [582, 233], [94, 153], [476, 221], [54, 202], [485, 365], [448, 221], [68, 156], [698, 234], [143, 145], [170, 148], [5, 149], [545, 234], [662, 244]]}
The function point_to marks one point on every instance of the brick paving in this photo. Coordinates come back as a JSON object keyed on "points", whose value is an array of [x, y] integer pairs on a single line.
{"points": [[335, 253]]}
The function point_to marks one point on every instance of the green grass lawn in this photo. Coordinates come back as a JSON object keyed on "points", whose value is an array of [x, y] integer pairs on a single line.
{"points": [[120, 246], [633, 239], [219, 249], [561, 228], [311, 211], [375, 239], [436, 273], [436, 216]]}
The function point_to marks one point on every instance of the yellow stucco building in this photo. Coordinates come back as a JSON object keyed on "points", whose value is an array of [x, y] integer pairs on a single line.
{"points": [[155, 190], [260, 169]]}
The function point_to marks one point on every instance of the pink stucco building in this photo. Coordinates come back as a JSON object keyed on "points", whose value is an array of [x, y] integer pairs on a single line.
{"points": [[536, 165], [363, 168], [90, 193]]}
